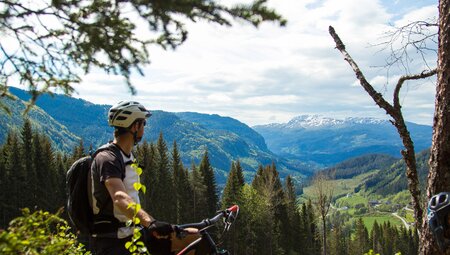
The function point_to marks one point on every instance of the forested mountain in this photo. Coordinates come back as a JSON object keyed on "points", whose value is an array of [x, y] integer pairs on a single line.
{"points": [[359, 165], [40, 120], [386, 174], [392, 180], [226, 139], [327, 141]]}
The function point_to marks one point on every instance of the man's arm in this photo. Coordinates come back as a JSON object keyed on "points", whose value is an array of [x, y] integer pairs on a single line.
{"points": [[121, 199]]}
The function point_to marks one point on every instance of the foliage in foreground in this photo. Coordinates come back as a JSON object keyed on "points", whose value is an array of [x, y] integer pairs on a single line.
{"points": [[39, 233]]}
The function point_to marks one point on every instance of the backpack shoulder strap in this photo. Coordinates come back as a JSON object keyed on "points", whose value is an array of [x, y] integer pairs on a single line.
{"points": [[111, 147]]}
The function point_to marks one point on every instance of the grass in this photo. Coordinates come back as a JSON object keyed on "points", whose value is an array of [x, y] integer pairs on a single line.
{"points": [[352, 201], [340, 186], [369, 220]]}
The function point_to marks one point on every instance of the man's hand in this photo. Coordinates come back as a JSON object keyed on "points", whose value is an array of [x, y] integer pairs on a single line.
{"points": [[161, 228]]}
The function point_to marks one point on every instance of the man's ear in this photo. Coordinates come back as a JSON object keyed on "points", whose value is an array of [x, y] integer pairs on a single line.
{"points": [[134, 127]]}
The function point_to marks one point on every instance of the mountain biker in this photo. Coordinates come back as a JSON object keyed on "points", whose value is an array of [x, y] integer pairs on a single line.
{"points": [[439, 219], [112, 191]]}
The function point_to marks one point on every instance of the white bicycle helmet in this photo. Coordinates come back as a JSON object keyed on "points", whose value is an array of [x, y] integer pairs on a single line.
{"points": [[125, 113]]}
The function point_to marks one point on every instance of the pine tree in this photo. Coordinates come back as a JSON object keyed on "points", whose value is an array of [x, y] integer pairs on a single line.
{"points": [[293, 216], [61, 167], [47, 168], [360, 243], [198, 194], [339, 241], [209, 180], [186, 199], [311, 242], [26, 153], [388, 238], [255, 229], [13, 166], [268, 184], [7, 210], [181, 185], [376, 238], [147, 154], [239, 173], [232, 194], [164, 207], [78, 151]]}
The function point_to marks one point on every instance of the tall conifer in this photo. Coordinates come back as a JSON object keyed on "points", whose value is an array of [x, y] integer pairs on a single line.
{"points": [[209, 179], [198, 194], [164, 192], [26, 153]]}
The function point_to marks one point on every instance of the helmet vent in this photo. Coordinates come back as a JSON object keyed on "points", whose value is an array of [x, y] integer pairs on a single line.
{"points": [[127, 112], [442, 199], [121, 118]]}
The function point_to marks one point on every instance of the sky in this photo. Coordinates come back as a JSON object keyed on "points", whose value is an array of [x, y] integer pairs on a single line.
{"points": [[271, 74]]}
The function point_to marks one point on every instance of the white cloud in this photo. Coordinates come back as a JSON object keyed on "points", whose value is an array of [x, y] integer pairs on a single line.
{"points": [[272, 74]]}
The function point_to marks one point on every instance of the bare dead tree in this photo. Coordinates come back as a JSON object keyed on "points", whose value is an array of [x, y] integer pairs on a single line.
{"points": [[418, 38], [393, 110], [323, 192]]}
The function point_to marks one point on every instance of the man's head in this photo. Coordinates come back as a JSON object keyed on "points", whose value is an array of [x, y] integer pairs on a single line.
{"points": [[128, 117]]}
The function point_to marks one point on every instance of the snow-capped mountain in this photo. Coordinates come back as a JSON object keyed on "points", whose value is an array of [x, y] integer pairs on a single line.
{"points": [[319, 121], [325, 140]]}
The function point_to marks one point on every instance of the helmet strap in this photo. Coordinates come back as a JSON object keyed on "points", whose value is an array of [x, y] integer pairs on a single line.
{"points": [[135, 138]]}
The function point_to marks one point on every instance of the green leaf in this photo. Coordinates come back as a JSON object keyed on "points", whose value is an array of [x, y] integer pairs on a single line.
{"points": [[137, 186]]}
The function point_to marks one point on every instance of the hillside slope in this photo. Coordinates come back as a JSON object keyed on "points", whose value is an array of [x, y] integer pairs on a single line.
{"points": [[62, 138]]}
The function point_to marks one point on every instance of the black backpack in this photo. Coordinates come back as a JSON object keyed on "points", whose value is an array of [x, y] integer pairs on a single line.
{"points": [[77, 180]]}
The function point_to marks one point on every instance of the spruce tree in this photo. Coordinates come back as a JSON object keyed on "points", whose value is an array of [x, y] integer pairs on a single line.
{"points": [[164, 192], [181, 185], [209, 180], [47, 168], [147, 157], [8, 211], [255, 224], [231, 191], [3, 185], [360, 243], [26, 154], [239, 173], [17, 176], [268, 184], [198, 194], [232, 194], [60, 167], [294, 230], [186, 199], [339, 241], [376, 238], [311, 242]]}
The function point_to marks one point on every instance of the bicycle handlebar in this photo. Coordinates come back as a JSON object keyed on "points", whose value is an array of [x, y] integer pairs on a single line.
{"points": [[208, 222]]}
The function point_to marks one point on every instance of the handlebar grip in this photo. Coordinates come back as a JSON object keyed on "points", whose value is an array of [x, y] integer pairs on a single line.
{"points": [[199, 225], [233, 208]]}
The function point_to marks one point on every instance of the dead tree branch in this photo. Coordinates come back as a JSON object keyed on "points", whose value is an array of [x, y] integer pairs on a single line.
{"points": [[395, 112]]}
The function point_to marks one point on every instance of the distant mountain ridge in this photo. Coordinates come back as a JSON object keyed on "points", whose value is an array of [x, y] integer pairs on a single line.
{"points": [[327, 141], [226, 139]]}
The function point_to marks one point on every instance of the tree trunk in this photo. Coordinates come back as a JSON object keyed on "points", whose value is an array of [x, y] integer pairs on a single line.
{"points": [[324, 222], [439, 175]]}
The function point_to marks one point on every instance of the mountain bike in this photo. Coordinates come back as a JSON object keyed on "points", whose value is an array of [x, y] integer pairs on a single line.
{"points": [[228, 216]]}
